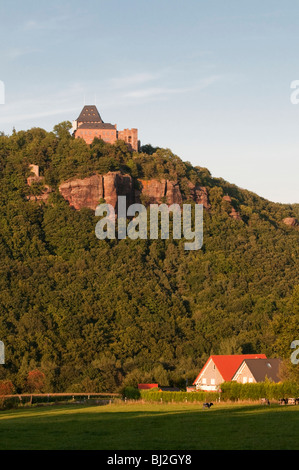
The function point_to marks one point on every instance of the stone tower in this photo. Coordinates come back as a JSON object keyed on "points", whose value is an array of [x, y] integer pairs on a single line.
{"points": [[89, 125]]}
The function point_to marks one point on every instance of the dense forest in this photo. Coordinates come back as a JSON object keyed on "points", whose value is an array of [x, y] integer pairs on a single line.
{"points": [[94, 315]]}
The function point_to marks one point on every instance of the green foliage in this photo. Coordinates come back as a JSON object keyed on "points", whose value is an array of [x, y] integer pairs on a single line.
{"points": [[131, 393], [97, 315], [255, 391], [179, 397]]}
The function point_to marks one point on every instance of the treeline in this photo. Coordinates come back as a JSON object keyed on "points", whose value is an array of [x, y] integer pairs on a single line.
{"points": [[95, 315]]}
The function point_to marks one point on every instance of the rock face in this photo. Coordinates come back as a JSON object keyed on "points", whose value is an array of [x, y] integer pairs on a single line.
{"points": [[43, 197], [291, 221], [199, 194], [116, 184], [89, 191], [156, 192], [35, 179], [233, 214], [85, 192]]}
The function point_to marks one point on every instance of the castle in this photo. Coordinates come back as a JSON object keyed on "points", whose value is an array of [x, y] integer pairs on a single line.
{"points": [[89, 125]]}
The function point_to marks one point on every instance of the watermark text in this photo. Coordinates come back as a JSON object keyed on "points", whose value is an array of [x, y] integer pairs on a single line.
{"points": [[152, 224]]}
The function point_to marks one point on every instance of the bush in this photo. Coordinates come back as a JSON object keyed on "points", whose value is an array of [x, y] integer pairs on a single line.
{"points": [[6, 387], [131, 393], [35, 381], [8, 403]]}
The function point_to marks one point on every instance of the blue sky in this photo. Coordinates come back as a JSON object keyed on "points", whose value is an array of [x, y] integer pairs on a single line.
{"points": [[208, 79]]}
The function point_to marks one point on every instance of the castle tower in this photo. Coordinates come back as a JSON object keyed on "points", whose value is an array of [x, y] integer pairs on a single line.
{"points": [[89, 125]]}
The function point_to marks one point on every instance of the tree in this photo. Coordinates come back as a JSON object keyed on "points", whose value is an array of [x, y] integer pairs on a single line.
{"points": [[6, 387], [36, 381], [62, 130]]}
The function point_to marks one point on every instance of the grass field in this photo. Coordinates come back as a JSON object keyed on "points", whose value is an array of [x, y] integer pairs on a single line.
{"points": [[137, 426]]}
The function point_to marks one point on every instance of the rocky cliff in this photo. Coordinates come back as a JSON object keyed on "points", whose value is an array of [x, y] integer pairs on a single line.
{"points": [[88, 192], [91, 191]]}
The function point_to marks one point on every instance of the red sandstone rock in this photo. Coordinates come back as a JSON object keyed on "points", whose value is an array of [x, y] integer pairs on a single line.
{"points": [[156, 191], [116, 184], [85, 192], [35, 178], [173, 193], [43, 197], [153, 191], [199, 194], [234, 214], [291, 221]]}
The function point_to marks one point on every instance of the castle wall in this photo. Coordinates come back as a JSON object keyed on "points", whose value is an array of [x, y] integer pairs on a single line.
{"points": [[90, 125], [130, 136], [108, 135]]}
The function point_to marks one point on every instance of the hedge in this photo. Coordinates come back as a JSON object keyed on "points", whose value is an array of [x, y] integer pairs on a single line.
{"points": [[230, 391], [254, 391], [179, 397]]}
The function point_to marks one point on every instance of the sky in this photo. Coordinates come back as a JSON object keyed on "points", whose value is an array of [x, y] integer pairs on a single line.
{"points": [[210, 80]]}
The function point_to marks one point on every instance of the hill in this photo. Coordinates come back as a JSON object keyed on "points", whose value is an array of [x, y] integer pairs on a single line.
{"points": [[94, 315]]}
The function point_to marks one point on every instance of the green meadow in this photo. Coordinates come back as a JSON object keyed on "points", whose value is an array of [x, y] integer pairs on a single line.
{"points": [[140, 426]]}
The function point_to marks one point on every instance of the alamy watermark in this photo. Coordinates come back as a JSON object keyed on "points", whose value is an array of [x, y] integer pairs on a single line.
{"points": [[294, 98], [2, 353], [152, 224], [2, 92], [295, 354]]}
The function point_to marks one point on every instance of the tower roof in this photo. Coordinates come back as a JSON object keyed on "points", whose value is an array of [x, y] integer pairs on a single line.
{"points": [[96, 125], [90, 113]]}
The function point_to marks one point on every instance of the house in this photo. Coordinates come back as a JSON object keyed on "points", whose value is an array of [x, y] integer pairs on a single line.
{"points": [[89, 125], [191, 388], [252, 371], [219, 369]]}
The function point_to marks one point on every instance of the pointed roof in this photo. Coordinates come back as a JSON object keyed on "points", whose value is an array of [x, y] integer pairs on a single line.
{"points": [[90, 113], [227, 365], [261, 369]]}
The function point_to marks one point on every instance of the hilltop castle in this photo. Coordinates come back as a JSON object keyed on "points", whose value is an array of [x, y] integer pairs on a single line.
{"points": [[89, 125]]}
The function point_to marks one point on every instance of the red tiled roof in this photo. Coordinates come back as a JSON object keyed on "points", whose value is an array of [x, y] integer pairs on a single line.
{"points": [[227, 365], [147, 386]]}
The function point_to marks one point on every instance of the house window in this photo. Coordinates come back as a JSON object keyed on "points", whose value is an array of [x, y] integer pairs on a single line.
{"points": [[250, 380], [244, 380], [204, 381], [212, 381]]}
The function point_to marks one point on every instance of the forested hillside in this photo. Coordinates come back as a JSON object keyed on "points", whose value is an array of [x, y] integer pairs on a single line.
{"points": [[93, 315]]}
